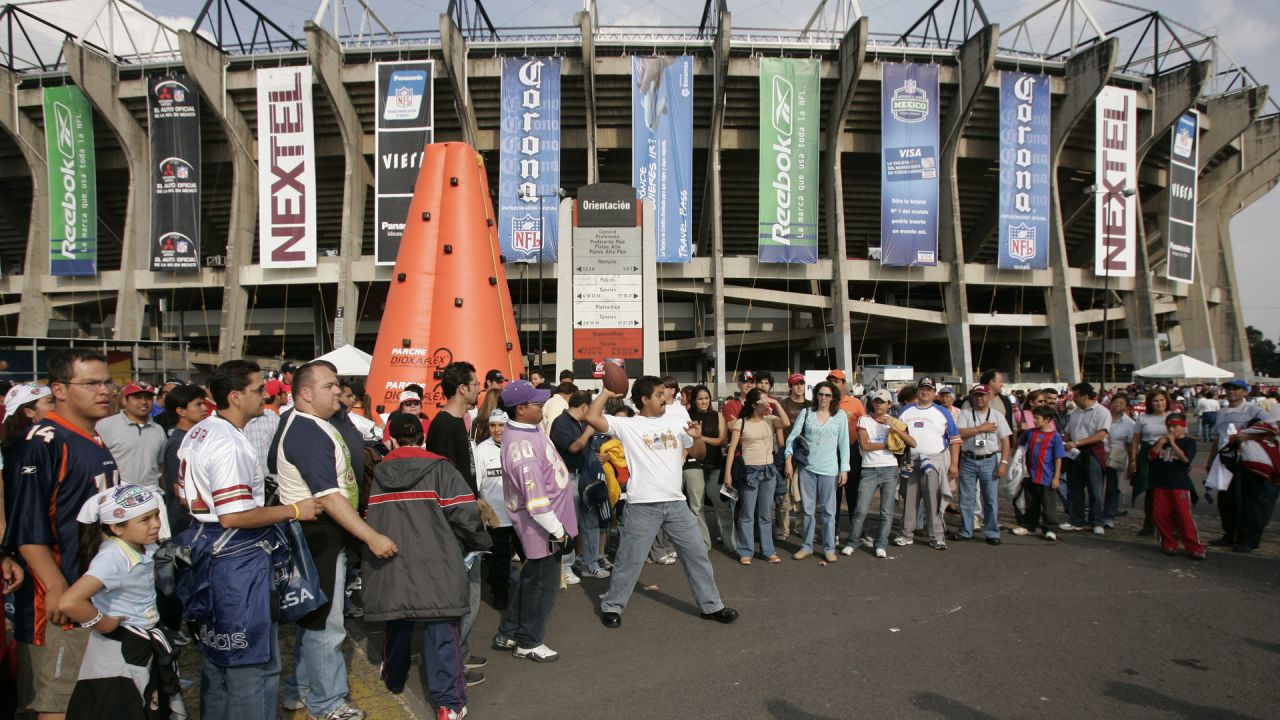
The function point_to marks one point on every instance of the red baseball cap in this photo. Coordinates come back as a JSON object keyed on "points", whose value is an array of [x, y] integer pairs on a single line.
{"points": [[795, 378], [273, 388], [980, 389], [135, 388]]}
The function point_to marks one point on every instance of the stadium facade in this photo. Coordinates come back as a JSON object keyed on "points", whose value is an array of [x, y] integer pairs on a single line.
{"points": [[958, 312]]}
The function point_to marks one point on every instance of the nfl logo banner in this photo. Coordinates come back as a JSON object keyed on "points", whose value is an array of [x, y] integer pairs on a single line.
{"points": [[1024, 171], [173, 116], [529, 166], [909, 169], [404, 128]]}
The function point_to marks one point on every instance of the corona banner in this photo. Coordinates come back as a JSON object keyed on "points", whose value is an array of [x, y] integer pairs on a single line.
{"points": [[173, 117], [73, 196], [1184, 190], [1116, 154], [909, 167], [529, 173], [790, 101], [662, 148], [1024, 171], [286, 168], [404, 126]]}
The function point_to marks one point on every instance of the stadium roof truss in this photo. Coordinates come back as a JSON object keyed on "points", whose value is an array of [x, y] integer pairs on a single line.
{"points": [[239, 28]]}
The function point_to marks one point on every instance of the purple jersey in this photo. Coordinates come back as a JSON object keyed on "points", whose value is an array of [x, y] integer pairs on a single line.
{"points": [[535, 481]]}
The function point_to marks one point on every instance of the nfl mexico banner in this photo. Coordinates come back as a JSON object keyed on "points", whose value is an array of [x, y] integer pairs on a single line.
{"points": [[1024, 171], [286, 168], [529, 178], [790, 102], [73, 196], [404, 125], [662, 148], [1184, 189], [1115, 215], [909, 169], [173, 118]]}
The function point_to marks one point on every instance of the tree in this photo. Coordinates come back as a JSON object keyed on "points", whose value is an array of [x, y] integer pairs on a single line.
{"points": [[1266, 359]]}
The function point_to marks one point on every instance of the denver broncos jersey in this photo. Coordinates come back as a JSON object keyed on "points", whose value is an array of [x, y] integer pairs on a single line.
{"points": [[53, 471]]}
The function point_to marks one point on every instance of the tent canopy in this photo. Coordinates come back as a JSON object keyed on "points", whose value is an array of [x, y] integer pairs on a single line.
{"points": [[1183, 367], [349, 359]]}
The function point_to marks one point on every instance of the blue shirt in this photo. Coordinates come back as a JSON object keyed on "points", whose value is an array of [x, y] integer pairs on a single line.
{"points": [[1043, 448], [828, 443], [128, 583]]}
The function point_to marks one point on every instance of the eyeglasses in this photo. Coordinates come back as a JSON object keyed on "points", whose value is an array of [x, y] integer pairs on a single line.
{"points": [[825, 395], [94, 385]]}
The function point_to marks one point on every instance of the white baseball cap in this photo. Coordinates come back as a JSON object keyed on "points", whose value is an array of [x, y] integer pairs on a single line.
{"points": [[20, 395], [409, 395]]}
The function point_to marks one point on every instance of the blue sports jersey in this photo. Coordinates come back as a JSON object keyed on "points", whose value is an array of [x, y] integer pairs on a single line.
{"points": [[55, 469], [1043, 449]]}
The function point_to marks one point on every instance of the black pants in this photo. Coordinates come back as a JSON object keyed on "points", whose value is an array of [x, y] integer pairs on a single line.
{"points": [[1040, 501], [535, 595], [1245, 508], [498, 565], [441, 654], [855, 479]]}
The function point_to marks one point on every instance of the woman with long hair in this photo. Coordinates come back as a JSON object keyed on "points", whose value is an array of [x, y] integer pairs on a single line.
{"points": [[759, 434], [825, 429], [1150, 429], [491, 401], [702, 477]]}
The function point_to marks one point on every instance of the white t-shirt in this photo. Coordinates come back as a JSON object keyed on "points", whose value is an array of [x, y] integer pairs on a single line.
{"points": [[655, 455], [1204, 405], [876, 433], [218, 471], [676, 411], [488, 458], [932, 427]]}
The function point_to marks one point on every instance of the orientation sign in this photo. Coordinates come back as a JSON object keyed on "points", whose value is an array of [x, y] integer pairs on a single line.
{"points": [[404, 126], [1024, 171], [173, 116], [608, 277], [1115, 216], [789, 113], [286, 168], [529, 177], [73, 196], [662, 148], [1184, 187], [909, 168]]}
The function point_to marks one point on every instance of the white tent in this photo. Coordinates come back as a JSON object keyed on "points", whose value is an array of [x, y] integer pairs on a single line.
{"points": [[1182, 367], [349, 359]]}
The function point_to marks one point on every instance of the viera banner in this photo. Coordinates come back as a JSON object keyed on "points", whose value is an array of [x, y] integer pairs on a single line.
{"points": [[529, 178], [73, 197], [662, 148], [1115, 216], [405, 124], [909, 170], [1184, 191], [1024, 171], [790, 101], [286, 168], [173, 117]]}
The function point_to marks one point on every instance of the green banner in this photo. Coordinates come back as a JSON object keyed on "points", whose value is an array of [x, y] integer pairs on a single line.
{"points": [[73, 198], [790, 100]]}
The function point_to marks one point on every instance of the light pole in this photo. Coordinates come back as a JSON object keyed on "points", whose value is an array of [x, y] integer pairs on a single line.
{"points": [[1093, 191], [542, 243]]}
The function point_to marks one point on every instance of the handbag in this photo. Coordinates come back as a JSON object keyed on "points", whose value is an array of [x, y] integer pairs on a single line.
{"points": [[297, 579], [800, 446]]}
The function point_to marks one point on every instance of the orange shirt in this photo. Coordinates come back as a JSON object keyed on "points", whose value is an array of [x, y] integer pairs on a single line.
{"points": [[852, 407]]}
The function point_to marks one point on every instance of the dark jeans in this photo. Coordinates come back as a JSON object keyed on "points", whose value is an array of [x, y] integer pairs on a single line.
{"points": [[498, 565], [1245, 508], [1111, 497], [1084, 475], [441, 654], [526, 619], [855, 480], [1040, 501], [246, 692]]}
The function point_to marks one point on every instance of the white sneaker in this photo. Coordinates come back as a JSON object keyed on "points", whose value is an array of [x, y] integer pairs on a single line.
{"points": [[346, 711], [1068, 527], [1049, 535], [1019, 530], [570, 578], [542, 654], [295, 704], [668, 559], [1099, 530], [903, 541], [598, 573], [847, 550], [880, 553]]}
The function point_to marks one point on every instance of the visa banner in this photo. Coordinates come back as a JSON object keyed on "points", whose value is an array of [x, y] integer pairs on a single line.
{"points": [[1184, 188], [404, 125], [662, 148], [790, 100], [73, 192], [529, 166], [1024, 171], [909, 110]]}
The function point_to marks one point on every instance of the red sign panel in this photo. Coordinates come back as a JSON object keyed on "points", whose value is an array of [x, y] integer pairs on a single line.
{"points": [[601, 343]]}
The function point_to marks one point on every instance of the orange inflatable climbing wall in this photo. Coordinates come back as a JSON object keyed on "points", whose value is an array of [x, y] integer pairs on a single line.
{"points": [[448, 298]]}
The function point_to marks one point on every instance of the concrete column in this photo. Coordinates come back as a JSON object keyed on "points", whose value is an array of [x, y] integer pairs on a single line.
{"points": [[586, 27], [977, 57], [34, 318], [720, 54], [453, 49], [99, 77], [852, 55], [206, 63], [326, 61], [1087, 73]]}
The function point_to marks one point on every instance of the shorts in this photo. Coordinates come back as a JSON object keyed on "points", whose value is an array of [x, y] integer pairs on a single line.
{"points": [[47, 673]]}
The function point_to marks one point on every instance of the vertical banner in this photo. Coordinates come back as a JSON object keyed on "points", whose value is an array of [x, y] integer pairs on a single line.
{"points": [[909, 169], [173, 118], [286, 168], [529, 178], [1115, 216], [1024, 171], [662, 148], [73, 196], [1184, 191], [790, 101], [404, 125]]}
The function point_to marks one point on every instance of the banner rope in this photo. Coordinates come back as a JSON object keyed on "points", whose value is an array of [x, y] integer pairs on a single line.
{"points": [[982, 349]]}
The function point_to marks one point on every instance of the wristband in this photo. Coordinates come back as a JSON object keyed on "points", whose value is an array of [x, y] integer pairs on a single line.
{"points": [[97, 619], [297, 512]]}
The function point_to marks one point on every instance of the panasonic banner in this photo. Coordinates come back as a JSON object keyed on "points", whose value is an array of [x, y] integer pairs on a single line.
{"points": [[790, 102], [404, 126], [1024, 171], [1115, 215], [73, 197], [529, 178], [662, 148], [1184, 187], [286, 168], [909, 169], [173, 118]]}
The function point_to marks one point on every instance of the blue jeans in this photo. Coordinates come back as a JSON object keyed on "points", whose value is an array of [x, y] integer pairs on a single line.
{"points": [[975, 473], [474, 578], [247, 692], [1085, 476], [589, 535], [819, 492], [531, 603], [756, 499], [886, 480], [644, 520], [319, 676], [1111, 497]]}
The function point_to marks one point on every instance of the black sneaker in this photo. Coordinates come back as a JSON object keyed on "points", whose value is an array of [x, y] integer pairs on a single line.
{"points": [[938, 545], [474, 661], [502, 642], [474, 677]]}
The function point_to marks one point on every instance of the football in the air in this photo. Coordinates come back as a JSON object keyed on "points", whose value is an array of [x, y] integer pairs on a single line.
{"points": [[615, 378]]}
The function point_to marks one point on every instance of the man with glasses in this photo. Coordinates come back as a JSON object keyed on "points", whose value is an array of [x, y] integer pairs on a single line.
{"points": [[854, 410], [61, 463]]}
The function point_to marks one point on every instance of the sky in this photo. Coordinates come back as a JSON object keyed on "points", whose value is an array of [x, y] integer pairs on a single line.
{"points": [[1246, 28]]}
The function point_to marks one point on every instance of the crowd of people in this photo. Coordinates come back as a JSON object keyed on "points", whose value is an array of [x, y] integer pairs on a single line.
{"points": [[139, 522]]}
